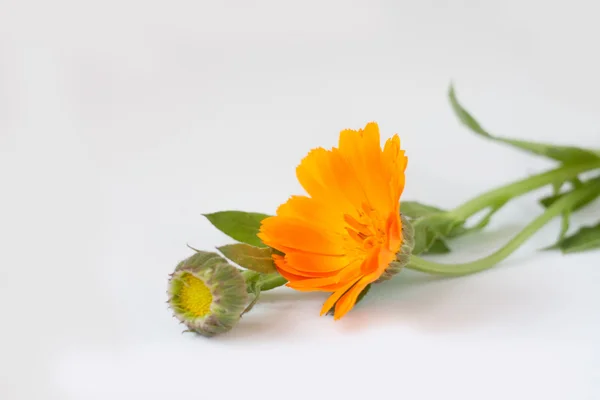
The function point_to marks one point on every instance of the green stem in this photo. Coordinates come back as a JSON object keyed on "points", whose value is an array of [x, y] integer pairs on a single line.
{"points": [[272, 282], [564, 203], [263, 281], [521, 187]]}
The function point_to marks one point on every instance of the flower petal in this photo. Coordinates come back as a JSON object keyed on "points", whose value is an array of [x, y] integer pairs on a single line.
{"points": [[317, 177], [324, 215], [394, 164], [377, 265], [303, 261], [294, 233], [336, 295], [284, 265]]}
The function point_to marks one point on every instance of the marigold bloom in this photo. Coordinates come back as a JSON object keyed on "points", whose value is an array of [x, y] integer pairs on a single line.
{"points": [[345, 235]]}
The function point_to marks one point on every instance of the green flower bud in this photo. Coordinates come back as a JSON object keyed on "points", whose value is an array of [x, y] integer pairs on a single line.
{"points": [[207, 294], [403, 256]]}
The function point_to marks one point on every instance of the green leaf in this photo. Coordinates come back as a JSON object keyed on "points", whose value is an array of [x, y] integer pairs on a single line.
{"points": [[438, 247], [564, 224], [428, 240], [565, 154], [556, 186], [587, 238], [425, 214], [433, 225], [548, 201], [257, 259], [566, 214], [427, 235], [459, 229], [424, 238], [239, 225], [414, 209]]}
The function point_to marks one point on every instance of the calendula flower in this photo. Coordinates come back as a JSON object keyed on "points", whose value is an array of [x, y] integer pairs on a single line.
{"points": [[207, 294], [348, 231]]}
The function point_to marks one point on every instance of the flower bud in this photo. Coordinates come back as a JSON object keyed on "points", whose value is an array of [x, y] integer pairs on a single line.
{"points": [[207, 294]]}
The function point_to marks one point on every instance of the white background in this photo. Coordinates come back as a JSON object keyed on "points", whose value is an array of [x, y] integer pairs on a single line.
{"points": [[122, 121]]}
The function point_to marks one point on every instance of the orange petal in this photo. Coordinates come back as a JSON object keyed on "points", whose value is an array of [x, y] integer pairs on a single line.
{"points": [[394, 164], [351, 272], [381, 197], [324, 215], [394, 232], [290, 274], [308, 262], [347, 180], [347, 301], [289, 232], [317, 177], [312, 283], [335, 296], [362, 150]]}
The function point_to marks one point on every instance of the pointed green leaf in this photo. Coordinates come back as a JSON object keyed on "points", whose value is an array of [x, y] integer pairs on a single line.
{"points": [[548, 201], [564, 224], [433, 225], [459, 229], [414, 209], [424, 238], [438, 247], [587, 238], [432, 215], [556, 186], [565, 154], [239, 225], [429, 231], [257, 259], [566, 214], [428, 241]]}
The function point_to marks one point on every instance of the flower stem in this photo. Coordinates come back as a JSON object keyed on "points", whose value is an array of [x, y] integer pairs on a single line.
{"points": [[272, 282], [263, 282], [564, 203], [507, 192]]}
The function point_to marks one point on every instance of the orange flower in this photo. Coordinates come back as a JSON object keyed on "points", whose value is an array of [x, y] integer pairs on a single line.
{"points": [[344, 236]]}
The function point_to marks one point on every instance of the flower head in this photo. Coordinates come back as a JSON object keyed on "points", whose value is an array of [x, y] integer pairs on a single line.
{"points": [[346, 233], [207, 294]]}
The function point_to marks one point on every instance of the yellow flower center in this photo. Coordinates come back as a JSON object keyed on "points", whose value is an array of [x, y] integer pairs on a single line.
{"points": [[195, 296]]}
